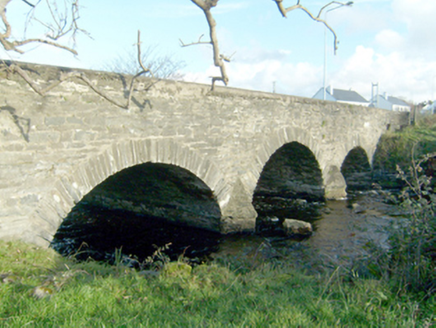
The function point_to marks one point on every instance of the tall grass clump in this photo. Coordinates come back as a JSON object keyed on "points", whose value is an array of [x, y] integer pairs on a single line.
{"points": [[38, 288]]}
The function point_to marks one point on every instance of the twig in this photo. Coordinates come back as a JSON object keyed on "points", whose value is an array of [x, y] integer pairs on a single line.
{"points": [[194, 43]]}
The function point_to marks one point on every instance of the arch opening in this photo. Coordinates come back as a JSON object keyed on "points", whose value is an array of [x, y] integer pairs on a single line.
{"points": [[289, 186], [139, 207], [356, 170]]}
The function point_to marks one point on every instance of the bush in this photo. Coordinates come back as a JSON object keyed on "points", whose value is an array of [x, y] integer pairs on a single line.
{"points": [[410, 260], [394, 148]]}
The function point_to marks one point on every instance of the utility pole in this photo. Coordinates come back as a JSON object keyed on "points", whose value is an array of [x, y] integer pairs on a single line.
{"points": [[374, 86], [348, 4]]}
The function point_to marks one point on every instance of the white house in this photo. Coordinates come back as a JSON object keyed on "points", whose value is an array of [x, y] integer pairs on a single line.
{"points": [[388, 102], [429, 109]]}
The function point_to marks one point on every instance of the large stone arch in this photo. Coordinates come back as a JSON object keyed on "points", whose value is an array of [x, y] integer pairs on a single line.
{"points": [[69, 189]]}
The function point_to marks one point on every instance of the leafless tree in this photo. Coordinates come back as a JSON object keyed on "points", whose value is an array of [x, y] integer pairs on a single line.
{"points": [[63, 22], [317, 18], [162, 66], [15, 68], [218, 59]]}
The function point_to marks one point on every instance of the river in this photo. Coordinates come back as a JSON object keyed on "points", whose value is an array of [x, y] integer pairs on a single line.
{"points": [[342, 228]]}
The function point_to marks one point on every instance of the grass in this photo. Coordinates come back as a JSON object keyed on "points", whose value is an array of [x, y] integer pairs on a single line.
{"points": [[395, 147], [41, 289]]}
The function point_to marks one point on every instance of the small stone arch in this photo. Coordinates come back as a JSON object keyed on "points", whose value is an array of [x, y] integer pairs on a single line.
{"points": [[357, 140], [356, 169], [70, 188], [291, 172], [333, 178], [275, 142]]}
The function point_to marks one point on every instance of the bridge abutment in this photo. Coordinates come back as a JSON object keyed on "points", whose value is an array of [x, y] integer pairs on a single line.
{"points": [[239, 215], [335, 185]]}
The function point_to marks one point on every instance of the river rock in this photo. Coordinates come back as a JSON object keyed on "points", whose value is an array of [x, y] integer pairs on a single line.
{"points": [[296, 227]]}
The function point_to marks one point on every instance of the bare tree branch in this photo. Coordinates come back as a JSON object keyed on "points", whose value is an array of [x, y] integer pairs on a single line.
{"points": [[194, 43], [28, 3], [14, 68], [144, 70], [60, 29], [206, 6], [62, 25], [317, 18]]}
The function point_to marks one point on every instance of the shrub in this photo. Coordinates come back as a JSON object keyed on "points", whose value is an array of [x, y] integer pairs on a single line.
{"points": [[410, 260]]}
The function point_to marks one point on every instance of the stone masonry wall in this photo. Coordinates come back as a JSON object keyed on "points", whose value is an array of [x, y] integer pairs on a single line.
{"points": [[55, 149]]}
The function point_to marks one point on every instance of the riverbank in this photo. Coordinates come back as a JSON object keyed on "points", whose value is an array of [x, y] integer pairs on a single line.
{"points": [[39, 288]]}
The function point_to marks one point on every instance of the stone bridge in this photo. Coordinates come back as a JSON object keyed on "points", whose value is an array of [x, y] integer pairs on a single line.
{"points": [[54, 150]]}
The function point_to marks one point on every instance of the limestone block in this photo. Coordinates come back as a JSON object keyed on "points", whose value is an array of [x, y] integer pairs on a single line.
{"points": [[296, 227]]}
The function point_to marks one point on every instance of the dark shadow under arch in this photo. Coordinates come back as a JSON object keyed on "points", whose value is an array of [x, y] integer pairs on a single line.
{"points": [[290, 182], [291, 172], [141, 206], [357, 170]]}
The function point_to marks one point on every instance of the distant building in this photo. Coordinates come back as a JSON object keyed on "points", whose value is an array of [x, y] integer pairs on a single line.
{"points": [[429, 109], [343, 96], [388, 102]]}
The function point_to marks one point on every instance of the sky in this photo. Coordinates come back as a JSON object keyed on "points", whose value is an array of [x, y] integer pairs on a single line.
{"points": [[389, 42]]}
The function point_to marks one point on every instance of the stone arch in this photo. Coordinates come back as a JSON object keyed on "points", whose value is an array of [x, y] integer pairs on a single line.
{"points": [[356, 169], [275, 142], [70, 188], [333, 178], [291, 172], [357, 140]]}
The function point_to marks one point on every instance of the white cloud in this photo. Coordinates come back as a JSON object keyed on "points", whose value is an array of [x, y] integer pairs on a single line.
{"points": [[394, 72], [389, 39], [400, 54], [296, 79], [419, 18], [300, 79]]}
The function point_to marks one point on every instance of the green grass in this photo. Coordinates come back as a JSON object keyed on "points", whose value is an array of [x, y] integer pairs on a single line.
{"points": [[395, 147], [90, 294]]}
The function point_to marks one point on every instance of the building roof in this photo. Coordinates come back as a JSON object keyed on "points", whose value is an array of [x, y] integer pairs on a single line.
{"points": [[397, 101], [348, 95], [388, 102]]}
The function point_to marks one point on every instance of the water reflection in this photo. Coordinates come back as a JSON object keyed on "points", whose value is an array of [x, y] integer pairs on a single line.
{"points": [[341, 230], [94, 232]]}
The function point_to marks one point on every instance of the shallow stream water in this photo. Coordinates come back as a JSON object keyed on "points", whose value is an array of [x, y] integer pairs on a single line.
{"points": [[342, 228]]}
